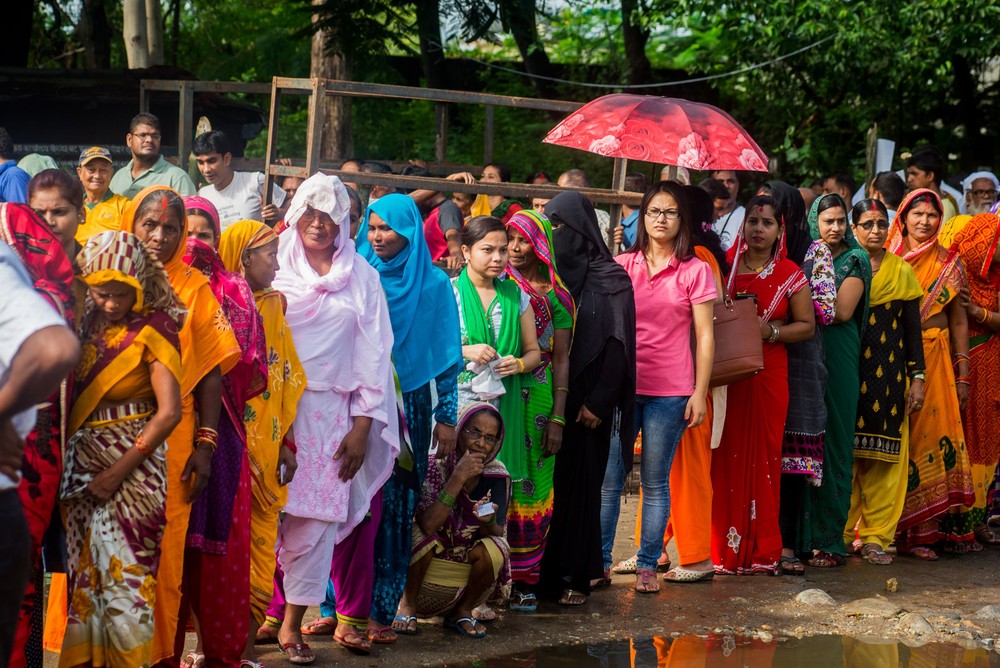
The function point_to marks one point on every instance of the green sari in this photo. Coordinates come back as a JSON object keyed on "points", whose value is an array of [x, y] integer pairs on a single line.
{"points": [[827, 506]]}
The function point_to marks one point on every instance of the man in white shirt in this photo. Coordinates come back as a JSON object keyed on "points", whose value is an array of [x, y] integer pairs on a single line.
{"points": [[236, 195], [37, 351], [729, 217]]}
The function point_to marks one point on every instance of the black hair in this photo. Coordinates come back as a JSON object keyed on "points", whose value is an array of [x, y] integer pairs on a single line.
{"points": [[928, 159], [843, 181], [636, 182], [537, 175], [157, 197], [682, 242], [702, 212], [376, 168], [576, 178], [923, 198], [144, 118], [765, 200], [213, 141], [715, 188], [413, 170], [477, 229], [70, 188], [890, 187], [359, 163], [503, 171], [829, 201], [866, 205], [6, 145], [355, 198]]}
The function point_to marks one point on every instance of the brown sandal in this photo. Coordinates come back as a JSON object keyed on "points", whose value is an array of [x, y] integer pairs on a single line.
{"points": [[354, 641], [874, 553]]}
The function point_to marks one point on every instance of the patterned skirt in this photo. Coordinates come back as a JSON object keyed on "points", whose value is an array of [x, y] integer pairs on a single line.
{"points": [[114, 546]]}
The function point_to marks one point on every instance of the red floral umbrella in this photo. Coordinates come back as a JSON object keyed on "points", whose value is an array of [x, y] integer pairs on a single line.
{"points": [[663, 130]]}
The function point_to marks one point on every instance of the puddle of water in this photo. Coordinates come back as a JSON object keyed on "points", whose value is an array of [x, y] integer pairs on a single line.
{"points": [[743, 651]]}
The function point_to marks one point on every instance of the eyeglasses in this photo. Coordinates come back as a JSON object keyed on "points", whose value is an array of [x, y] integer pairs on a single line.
{"points": [[869, 224], [668, 214], [155, 136], [983, 193], [477, 435]]}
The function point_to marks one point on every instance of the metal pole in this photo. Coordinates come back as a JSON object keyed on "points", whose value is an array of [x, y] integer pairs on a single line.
{"points": [[617, 183], [315, 136], [272, 139], [441, 134]]}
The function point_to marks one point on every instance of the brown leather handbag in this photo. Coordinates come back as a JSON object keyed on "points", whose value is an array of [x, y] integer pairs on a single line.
{"points": [[738, 350]]}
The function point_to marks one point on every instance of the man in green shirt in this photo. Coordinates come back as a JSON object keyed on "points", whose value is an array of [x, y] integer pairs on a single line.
{"points": [[147, 167]]}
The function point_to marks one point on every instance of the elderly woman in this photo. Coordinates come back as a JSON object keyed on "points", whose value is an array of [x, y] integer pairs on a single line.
{"points": [[209, 349], [892, 371], [114, 487], [977, 246], [426, 348], [346, 428], [939, 477], [460, 554]]}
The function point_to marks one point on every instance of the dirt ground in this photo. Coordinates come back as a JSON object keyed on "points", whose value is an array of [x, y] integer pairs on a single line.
{"points": [[945, 594]]}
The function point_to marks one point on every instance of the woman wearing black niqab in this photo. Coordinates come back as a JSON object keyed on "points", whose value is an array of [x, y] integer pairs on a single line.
{"points": [[601, 395]]}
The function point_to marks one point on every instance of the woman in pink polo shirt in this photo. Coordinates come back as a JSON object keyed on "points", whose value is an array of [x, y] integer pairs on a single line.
{"points": [[673, 289]]}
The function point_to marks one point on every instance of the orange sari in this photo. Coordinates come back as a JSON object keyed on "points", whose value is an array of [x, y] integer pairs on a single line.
{"points": [[216, 346], [940, 477]]}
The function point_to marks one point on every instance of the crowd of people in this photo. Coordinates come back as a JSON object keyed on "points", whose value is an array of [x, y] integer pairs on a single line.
{"points": [[398, 406]]}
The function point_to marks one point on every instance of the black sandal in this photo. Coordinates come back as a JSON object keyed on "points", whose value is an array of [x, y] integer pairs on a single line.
{"points": [[791, 566]]}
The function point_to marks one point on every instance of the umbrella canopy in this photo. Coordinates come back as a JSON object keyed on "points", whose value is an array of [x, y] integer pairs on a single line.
{"points": [[664, 130]]}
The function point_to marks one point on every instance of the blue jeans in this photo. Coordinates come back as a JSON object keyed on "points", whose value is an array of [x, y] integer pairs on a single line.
{"points": [[661, 420]]}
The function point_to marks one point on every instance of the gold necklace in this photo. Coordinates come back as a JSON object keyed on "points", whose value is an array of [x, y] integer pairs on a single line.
{"points": [[754, 270]]}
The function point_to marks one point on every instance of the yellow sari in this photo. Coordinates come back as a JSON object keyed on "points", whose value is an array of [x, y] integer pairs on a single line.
{"points": [[207, 341], [940, 475], [268, 416]]}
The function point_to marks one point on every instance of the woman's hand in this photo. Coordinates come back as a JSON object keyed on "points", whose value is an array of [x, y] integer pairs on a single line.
{"points": [[696, 409], [462, 177], [588, 419], [490, 517], [199, 463], [552, 438], [915, 396], [287, 459], [105, 484], [479, 353], [508, 366], [444, 438], [962, 389], [351, 453], [765, 328], [965, 300], [469, 467]]}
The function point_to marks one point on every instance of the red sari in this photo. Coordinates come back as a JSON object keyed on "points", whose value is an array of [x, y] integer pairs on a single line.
{"points": [[746, 468], [216, 582], [41, 469]]}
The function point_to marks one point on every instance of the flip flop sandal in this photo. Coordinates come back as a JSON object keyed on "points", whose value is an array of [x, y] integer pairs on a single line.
{"points": [[873, 552], [662, 566], [267, 635], [787, 566], [625, 567], [247, 663], [646, 577], [354, 641], [457, 626], [299, 648], [827, 560], [921, 552], [320, 627], [484, 613], [523, 602], [682, 575], [406, 619], [602, 582], [385, 636], [570, 595], [193, 660]]}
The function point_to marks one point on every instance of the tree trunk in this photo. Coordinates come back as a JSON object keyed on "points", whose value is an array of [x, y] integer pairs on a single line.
{"points": [[336, 110], [134, 31], [429, 33], [95, 34], [976, 149], [518, 17], [16, 42], [635, 37], [154, 31], [175, 32]]}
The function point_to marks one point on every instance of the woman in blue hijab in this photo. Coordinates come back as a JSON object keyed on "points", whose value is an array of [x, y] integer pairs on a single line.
{"points": [[426, 347]]}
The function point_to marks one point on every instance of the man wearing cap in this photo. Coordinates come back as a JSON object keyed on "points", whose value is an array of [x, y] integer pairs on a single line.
{"points": [[980, 195], [104, 208], [147, 167]]}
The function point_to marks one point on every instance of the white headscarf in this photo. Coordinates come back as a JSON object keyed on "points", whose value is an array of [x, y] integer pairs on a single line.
{"points": [[975, 176]]}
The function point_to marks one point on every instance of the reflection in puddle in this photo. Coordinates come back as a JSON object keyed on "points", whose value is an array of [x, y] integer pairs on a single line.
{"points": [[743, 651]]}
